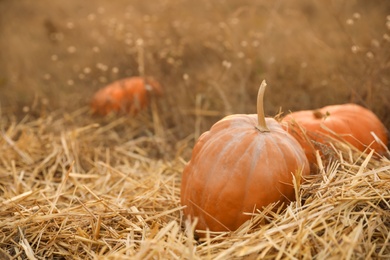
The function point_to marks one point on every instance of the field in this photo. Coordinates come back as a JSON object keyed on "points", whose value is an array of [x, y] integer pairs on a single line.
{"points": [[74, 185]]}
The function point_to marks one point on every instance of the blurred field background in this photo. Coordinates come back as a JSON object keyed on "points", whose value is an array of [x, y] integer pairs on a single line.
{"points": [[77, 186], [209, 55]]}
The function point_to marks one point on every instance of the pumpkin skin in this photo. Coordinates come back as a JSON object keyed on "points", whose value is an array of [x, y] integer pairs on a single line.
{"points": [[348, 122], [236, 168], [128, 95]]}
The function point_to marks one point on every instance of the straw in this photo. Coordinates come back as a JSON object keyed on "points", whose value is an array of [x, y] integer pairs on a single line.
{"points": [[99, 189]]}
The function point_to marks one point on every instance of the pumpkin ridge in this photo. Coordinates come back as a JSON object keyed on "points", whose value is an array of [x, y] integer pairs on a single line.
{"points": [[274, 146], [282, 149], [255, 147], [249, 181], [278, 146], [246, 175], [206, 137], [221, 155]]}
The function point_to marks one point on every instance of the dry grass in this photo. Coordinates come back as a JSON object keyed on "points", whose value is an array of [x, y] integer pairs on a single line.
{"points": [[74, 186], [210, 55]]}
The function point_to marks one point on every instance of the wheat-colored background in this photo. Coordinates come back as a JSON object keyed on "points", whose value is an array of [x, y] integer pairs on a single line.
{"points": [[312, 54], [78, 186]]}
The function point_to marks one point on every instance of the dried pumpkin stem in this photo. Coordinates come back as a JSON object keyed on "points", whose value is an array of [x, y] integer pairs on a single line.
{"points": [[317, 114], [261, 124]]}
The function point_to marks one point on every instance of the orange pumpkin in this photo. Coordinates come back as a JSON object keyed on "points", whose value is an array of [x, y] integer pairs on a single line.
{"points": [[348, 122], [244, 162], [128, 95]]}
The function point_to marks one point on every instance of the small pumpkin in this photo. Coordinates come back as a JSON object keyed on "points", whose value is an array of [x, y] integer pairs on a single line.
{"points": [[128, 95], [348, 122], [244, 162]]}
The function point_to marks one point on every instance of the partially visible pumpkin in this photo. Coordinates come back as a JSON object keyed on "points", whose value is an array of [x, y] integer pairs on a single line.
{"points": [[348, 122], [243, 163], [128, 95]]}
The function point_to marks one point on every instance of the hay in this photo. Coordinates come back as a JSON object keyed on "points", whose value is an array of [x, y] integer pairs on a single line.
{"points": [[77, 187]]}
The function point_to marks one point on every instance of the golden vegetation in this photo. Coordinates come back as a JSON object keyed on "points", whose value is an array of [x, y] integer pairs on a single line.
{"points": [[75, 186]]}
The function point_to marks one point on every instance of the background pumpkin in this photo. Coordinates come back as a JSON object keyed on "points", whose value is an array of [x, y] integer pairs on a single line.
{"points": [[243, 162], [128, 95], [349, 122]]}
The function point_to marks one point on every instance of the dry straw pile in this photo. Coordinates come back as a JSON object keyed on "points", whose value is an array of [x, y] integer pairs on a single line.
{"points": [[77, 187]]}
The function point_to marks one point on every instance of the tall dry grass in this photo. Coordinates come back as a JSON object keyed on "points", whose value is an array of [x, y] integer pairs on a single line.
{"points": [[207, 55]]}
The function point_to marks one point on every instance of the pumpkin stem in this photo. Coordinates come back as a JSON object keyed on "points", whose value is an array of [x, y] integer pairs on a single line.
{"points": [[317, 114], [261, 124]]}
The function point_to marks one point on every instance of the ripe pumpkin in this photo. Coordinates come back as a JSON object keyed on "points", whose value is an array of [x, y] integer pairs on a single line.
{"points": [[128, 95], [348, 122], [244, 162]]}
